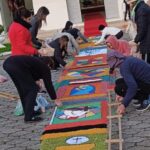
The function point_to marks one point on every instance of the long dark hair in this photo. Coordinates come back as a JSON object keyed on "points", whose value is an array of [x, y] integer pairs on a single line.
{"points": [[67, 26], [42, 11]]}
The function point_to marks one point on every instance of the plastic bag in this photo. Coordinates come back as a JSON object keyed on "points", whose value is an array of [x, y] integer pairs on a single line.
{"points": [[42, 103], [19, 109]]}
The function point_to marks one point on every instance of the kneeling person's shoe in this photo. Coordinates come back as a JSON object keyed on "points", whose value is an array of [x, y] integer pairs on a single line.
{"points": [[145, 106]]}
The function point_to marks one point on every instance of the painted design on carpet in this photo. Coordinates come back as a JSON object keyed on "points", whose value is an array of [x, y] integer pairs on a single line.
{"points": [[85, 80], [86, 61], [85, 45], [84, 73], [82, 90], [98, 119], [78, 140], [77, 113], [89, 51]]}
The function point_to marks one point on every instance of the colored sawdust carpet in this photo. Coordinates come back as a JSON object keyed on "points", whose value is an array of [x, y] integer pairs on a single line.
{"points": [[89, 51], [80, 91], [78, 116], [91, 23], [85, 45], [77, 113], [84, 73], [87, 61], [91, 139]]}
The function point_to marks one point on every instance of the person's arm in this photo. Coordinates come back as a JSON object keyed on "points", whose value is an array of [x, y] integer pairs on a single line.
{"points": [[142, 27], [48, 83], [74, 43], [58, 56], [82, 37], [131, 84], [24, 45], [102, 37]]}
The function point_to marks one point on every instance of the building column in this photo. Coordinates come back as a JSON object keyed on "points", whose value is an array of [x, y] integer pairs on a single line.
{"points": [[114, 10], [6, 15], [74, 11]]}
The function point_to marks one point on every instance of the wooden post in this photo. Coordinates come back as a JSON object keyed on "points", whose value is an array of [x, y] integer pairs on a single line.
{"points": [[111, 141]]}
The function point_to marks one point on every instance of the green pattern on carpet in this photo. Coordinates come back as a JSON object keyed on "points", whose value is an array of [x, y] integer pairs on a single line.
{"points": [[77, 115], [97, 139]]}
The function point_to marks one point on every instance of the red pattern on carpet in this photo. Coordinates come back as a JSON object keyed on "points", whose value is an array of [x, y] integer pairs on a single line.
{"points": [[91, 23]]}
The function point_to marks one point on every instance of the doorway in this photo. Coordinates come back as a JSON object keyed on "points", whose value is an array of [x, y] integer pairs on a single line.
{"points": [[92, 6]]}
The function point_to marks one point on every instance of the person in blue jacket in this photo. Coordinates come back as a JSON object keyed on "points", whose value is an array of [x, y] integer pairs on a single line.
{"points": [[136, 75]]}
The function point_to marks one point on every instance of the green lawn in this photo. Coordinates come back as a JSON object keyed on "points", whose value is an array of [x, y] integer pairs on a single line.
{"points": [[7, 48]]}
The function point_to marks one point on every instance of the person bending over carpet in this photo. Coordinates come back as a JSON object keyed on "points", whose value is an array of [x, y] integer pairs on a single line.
{"points": [[60, 46], [136, 75], [24, 72], [74, 31], [109, 31]]}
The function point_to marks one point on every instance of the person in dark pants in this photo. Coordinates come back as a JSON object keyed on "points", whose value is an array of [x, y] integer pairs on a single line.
{"points": [[127, 11], [142, 20], [60, 46], [25, 71], [74, 31], [136, 74]]}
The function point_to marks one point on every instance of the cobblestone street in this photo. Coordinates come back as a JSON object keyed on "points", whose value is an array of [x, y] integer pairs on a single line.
{"points": [[16, 135]]}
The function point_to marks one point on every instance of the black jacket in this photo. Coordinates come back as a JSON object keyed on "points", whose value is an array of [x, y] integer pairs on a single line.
{"points": [[33, 68], [142, 20]]}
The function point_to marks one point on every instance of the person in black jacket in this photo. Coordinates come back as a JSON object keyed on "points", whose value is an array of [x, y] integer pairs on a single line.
{"points": [[25, 71], [74, 31], [60, 46], [142, 20]]}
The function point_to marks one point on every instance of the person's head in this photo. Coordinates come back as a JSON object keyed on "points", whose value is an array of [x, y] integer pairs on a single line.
{"points": [[64, 40], [120, 87], [101, 27], [114, 60], [18, 4], [42, 14], [48, 61], [112, 42], [25, 15], [68, 25]]}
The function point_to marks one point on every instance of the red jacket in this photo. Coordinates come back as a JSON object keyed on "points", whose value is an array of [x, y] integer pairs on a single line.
{"points": [[20, 39]]}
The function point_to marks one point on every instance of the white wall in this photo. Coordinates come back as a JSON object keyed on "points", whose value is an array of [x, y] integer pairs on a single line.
{"points": [[1, 19], [58, 13]]}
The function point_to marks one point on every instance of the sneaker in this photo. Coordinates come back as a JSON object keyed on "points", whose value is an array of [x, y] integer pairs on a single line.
{"points": [[144, 106], [137, 104], [33, 119]]}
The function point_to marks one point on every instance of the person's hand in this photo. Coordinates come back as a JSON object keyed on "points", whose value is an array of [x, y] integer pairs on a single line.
{"points": [[41, 52], [121, 109], [132, 43], [58, 103], [118, 98], [96, 44]]}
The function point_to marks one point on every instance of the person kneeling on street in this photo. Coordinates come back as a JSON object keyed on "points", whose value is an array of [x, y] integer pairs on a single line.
{"points": [[136, 80], [24, 72], [60, 50]]}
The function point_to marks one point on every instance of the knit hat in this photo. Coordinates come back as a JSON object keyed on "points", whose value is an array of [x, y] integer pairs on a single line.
{"points": [[114, 58]]}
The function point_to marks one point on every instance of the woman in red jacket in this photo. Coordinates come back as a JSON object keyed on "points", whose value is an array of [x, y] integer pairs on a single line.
{"points": [[19, 35]]}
